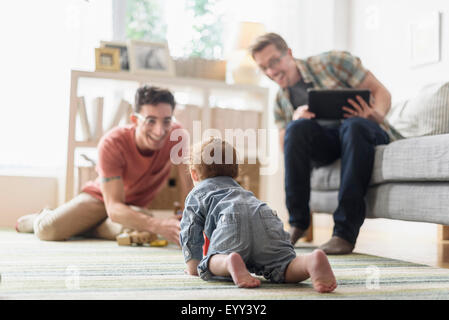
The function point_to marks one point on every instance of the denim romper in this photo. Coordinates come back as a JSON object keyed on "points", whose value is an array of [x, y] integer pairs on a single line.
{"points": [[235, 221]]}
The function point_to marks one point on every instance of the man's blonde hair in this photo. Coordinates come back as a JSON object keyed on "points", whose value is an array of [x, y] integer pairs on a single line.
{"points": [[213, 158], [265, 40]]}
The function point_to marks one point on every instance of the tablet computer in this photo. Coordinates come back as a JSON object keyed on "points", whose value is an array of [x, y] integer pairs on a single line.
{"points": [[328, 103]]}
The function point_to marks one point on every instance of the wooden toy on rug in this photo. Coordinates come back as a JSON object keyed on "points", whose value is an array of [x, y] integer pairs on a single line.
{"points": [[129, 237], [133, 237]]}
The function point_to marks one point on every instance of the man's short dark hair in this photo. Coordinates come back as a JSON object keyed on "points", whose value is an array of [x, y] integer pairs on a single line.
{"points": [[265, 40], [153, 95]]}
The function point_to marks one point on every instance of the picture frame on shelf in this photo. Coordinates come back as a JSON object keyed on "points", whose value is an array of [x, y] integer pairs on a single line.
{"points": [[123, 47], [107, 59], [152, 58]]}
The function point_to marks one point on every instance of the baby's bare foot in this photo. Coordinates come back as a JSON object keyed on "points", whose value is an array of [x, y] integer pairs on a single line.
{"points": [[321, 273], [241, 276]]}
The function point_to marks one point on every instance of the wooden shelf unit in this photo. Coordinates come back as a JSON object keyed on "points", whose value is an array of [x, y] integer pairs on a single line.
{"points": [[257, 98]]}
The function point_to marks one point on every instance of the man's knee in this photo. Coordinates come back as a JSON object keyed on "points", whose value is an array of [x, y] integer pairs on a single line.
{"points": [[300, 129], [356, 123], [46, 231], [355, 128]]}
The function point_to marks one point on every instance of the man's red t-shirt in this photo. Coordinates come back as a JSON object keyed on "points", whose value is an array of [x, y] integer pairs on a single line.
{"points": [[143, 176]]}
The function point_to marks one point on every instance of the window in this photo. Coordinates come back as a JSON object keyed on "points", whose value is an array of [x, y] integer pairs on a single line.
{"points": [[204, 28], [193, 28]]}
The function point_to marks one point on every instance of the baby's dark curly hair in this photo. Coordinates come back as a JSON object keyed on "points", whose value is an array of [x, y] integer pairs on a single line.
{"points": [[152, 95]]}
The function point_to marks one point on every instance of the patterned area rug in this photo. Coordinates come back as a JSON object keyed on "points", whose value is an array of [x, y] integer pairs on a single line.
{"points": [[96, 269]]}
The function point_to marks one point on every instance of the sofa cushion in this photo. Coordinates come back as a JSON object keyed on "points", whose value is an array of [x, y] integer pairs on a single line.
{"points": [[416, 159], [417, 201], [423, 202], [407, 160], [326, 177], [425, 114]]}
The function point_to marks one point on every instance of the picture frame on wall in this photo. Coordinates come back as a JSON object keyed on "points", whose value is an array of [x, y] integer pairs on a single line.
{"points": [[124, 56], [425, 39], [107, 59], [152, 58]]}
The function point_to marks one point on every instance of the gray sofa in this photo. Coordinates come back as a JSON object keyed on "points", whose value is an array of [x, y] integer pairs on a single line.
{"points": [[410, 179]]}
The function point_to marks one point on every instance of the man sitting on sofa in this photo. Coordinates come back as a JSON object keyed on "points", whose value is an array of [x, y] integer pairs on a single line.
{"points": [[133, 165], [308, 142]]}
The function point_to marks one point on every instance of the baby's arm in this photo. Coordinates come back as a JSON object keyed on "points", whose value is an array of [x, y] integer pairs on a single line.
{"points": [[192, 264], [191, 236]]}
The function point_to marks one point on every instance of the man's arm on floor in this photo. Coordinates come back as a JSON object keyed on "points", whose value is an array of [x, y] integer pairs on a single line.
{"points": [[114, 199]]}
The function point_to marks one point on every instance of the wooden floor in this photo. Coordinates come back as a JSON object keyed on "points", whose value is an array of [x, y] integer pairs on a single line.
{"points": [[408, 241]]}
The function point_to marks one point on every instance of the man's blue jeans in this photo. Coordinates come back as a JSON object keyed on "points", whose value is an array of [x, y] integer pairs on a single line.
{"points": [[308, 145]]}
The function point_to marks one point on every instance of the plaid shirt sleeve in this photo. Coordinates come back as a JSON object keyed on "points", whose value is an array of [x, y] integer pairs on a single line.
{"points": [[279, 112], [347, 68]]}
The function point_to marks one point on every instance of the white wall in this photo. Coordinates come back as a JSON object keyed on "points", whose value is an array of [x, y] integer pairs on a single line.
{"points": [[324, 26], [380, 35], [24, 195]]}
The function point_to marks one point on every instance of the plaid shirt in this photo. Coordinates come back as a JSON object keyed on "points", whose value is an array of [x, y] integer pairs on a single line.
{"points": [[329, 70]]}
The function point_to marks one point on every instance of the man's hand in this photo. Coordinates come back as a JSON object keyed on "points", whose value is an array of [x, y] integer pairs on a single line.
{"points": [[169, 228], [363, 110], [114, 199], [377, 108], [302, 112]]}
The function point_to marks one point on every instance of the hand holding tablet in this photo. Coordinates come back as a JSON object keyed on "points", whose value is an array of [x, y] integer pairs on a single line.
{"points": [[302, 112], [362, 109], [340, 103]]}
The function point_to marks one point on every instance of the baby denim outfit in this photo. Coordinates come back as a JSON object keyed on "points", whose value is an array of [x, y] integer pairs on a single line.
{"points": [[235, 221]]}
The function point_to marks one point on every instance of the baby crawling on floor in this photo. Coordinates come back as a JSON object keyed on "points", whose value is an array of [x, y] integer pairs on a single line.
{"points": [[246, 236]]}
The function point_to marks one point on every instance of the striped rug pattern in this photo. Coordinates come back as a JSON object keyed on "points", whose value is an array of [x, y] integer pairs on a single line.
{"points": [[96, 269]]}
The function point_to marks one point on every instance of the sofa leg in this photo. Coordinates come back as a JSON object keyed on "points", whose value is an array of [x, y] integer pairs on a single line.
{"points": [[443, 246], [309, 233], [443, 233]]}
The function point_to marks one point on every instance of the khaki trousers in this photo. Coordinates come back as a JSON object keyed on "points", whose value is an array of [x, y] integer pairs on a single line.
{"points": [[83, 215]]}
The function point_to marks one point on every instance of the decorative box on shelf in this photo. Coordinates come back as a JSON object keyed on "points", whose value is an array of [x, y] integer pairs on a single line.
{"points": [[201, 68]]}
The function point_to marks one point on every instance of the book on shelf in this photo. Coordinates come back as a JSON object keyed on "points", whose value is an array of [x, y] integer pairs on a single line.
{"points": [[83, 118], [97, 118], [124, 110]]}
